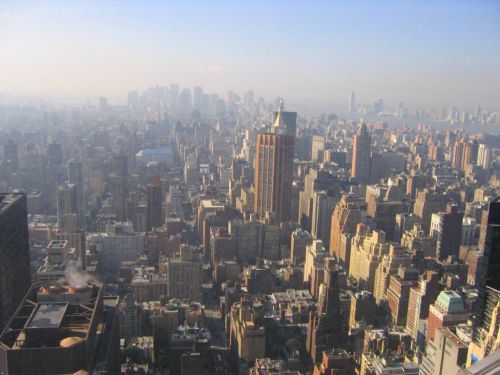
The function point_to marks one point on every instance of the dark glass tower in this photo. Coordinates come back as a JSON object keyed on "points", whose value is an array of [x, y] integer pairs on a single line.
{"points": [[15, 278], [489, 284]]}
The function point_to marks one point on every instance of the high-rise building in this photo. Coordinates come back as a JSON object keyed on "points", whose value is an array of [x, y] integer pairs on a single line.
{"points": [[119, 185], [67, 205], [484, 156], [245, 335], [248, 239], [486, 338], [130, 322], [221, 246], [398, 293], [361, 156], [388, 266], [325, 324], [470, 153], [14, 254], [363, 308], [76, 177], [446, 354], [491, 265], [469, 230], [352, 102], [185, 274], [300, 239], [315, 254], [323, 205], [174, 206], [458, 152], [384, 213], [446, 228], [273, 170], [154, 206], [447, 311], [314, 181], [426, 204], [191, 170], [119, 243], [317, 148], [416, 239], [367, 250], [420, 298], [403, 222], [348, 212], [289, 119]]}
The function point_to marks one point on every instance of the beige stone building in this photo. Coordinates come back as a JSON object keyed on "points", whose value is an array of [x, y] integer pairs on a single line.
{"points": [[367, 250]]}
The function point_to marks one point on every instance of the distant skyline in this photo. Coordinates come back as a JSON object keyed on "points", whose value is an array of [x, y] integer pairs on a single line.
{"points": [[421, 53]]}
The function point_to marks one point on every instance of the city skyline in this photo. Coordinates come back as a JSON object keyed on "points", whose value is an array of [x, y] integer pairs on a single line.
{"points": [[311, 55]]}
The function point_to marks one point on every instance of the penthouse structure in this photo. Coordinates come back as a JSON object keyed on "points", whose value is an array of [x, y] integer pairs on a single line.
{"points": [[62, 329]]}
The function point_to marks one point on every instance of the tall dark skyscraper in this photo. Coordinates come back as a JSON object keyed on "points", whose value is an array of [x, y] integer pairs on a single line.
{"points": [[67, 198], [273, 168], [76, 177], [154, 206], [361, 156], [491, 267], [446, 228], [14, 254], [486, 322]]}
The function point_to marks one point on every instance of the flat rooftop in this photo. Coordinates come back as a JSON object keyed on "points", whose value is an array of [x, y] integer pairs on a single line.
{"points": [[48, 315], [6, 199]]}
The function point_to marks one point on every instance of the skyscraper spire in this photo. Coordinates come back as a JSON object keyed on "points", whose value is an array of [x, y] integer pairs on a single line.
{"points": [[361, 155], [279, 123]]}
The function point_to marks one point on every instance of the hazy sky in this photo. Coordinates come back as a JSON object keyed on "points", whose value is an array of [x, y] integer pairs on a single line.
{"points": [[418, 52]]}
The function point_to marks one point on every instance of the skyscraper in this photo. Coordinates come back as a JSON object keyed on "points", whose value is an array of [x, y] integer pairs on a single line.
{"points": [[119, 185], [352, 102], [458, 151], [361, 156], [273, 169], [486, 319], [67, 203], [154, 206], [484, 156], [446, 228], [491, 271], [325, 330], [76, 177], [427, 203], [447, 311], [14, 254], [323, 205], [289, 119], [346, 216]]}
